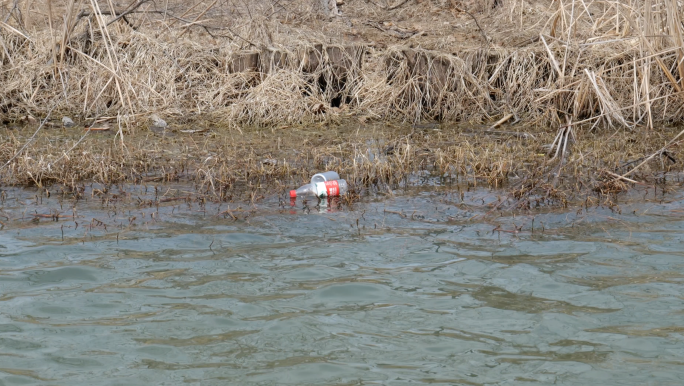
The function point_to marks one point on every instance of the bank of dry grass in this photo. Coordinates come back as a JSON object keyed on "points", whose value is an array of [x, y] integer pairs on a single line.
{"points": [[611, 63], [592, 78]]}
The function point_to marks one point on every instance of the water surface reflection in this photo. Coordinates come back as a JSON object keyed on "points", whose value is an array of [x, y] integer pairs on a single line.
{"points": [[410, 289]]}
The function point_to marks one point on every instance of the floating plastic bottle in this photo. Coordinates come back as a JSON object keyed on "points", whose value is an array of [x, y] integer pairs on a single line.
{"points": [[321, 189]]}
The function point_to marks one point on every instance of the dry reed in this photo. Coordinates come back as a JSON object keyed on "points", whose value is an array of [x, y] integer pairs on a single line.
{"points": [[616, 63]]}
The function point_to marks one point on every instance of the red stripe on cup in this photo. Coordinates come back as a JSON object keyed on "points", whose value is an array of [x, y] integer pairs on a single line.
{"points": [[332, 188]]}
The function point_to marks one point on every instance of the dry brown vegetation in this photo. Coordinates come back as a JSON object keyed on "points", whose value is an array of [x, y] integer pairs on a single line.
{"points": [[615, 63], [569, 65]]}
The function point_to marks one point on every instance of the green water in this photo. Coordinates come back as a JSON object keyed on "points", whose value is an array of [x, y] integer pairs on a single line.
{"points": [[414, 288]]}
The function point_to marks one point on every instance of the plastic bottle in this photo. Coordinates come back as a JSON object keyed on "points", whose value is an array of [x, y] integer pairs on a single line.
{"points": [[326, 176], [321, 189]]}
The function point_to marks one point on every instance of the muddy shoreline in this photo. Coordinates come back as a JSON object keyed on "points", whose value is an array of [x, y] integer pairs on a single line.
{"points": [[246, 165]]}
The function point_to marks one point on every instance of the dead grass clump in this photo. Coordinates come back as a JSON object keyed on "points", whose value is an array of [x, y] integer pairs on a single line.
{"points": [[473, 85], [610, 186], [277, 99], [295, 92]]}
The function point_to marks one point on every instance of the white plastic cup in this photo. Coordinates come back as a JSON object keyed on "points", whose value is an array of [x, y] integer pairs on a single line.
{"points": [[326, 176]]}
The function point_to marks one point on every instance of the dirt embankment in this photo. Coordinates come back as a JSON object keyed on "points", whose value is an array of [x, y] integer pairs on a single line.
{"points": [[562, 81], [299, 61]]}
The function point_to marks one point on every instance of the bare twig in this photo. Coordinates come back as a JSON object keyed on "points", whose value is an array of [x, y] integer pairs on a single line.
{"points": [[500, 122], [399, 4], [30, 139], [672, 141], [127, 12], [623, 178], [482, 31], [188, 25]]}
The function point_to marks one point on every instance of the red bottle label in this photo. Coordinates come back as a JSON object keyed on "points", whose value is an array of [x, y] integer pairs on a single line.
{"points": [[332, 188]]}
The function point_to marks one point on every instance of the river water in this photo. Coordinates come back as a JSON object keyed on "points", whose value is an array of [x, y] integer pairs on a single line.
{"points": [[415, 287]]}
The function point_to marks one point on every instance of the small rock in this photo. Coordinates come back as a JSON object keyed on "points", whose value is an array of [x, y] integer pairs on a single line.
{"points": [[158, 122], [159, 125], [68, 122]]}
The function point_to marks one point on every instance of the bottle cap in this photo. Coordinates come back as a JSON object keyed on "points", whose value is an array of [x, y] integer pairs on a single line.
{"points": [[293, 194]]}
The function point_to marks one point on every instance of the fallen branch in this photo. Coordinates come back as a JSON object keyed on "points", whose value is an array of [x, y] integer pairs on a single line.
{"points": [[617, 176], [672, 141], [500, 122], [15, 31], [227, 212]]}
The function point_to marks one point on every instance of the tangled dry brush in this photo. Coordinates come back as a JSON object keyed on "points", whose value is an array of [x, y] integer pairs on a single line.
{"points": [[609, 63]]}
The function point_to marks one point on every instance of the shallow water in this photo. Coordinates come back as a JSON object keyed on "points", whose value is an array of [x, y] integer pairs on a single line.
{"points": [[413, 288]]}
